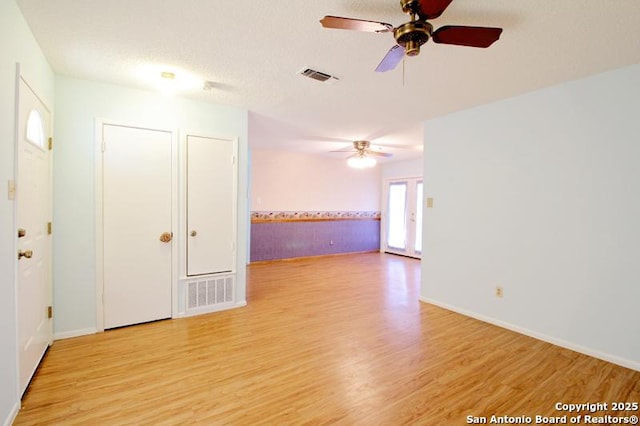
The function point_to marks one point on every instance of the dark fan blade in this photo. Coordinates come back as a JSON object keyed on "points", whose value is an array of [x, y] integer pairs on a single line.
{"points": [[431, 9], [467, 36], [355, 24], [391, 59]]}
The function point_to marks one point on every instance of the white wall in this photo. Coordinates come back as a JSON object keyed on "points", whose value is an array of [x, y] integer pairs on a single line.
{"points": [[78, 104], [402, 169], [540, 194], [290, 181], [16, 45]]}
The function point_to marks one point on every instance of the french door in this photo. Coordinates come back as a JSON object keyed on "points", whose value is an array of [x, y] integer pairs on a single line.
{"points": [[402, 227]]}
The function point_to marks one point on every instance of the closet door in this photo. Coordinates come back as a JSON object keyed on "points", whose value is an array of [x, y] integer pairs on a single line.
{"points": [[211, 205], [137, 233]]}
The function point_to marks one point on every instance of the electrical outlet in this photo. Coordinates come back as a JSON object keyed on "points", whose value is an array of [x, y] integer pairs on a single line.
{"points": [[499, 291]]}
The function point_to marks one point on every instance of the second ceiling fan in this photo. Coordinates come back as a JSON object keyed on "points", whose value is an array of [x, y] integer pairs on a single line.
{"points": [[363, 154], [413, 34]]}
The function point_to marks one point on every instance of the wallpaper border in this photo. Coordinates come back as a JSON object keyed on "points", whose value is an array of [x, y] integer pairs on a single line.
{"points": [[311, 216]]}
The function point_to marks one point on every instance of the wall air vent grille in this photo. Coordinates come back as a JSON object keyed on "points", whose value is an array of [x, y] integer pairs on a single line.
{"points": [[207, 293], [317, 75]]}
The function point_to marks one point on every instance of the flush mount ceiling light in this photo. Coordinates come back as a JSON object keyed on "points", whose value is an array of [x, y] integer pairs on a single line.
{"points": [[170, 80], [174, 82]]}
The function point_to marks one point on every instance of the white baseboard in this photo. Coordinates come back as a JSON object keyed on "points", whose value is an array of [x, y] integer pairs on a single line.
{"points": [[12, 414], [210, 310], [74, 333], [540, 336]]}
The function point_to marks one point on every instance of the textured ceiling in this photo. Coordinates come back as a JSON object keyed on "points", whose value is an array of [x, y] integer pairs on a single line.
{"points": [[253, 50]]}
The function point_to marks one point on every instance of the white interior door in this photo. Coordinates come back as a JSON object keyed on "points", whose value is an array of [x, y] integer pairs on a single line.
{"points": [[403, 218], [33, 205], [137, 225], [211, 205]]}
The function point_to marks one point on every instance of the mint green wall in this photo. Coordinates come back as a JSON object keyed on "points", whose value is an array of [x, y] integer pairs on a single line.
{"points": [[16, 45], [539, 194], [78, 104]]}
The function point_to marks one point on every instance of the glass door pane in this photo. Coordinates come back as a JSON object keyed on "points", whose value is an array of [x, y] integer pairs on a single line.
{"points": [[396, 211], [402, 227], [419, 203]]}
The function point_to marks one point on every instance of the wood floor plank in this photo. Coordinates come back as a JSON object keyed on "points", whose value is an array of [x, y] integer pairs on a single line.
{"points": [[335, 340]]}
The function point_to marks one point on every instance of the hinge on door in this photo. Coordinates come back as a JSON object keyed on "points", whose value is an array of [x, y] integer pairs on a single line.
{"points": [[49, 312], [50, 144], [49, 228]]}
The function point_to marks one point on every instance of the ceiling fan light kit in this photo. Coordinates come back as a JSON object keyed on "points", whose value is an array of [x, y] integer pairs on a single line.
{"points": [[364, 155], [415, 33], [361, 161]]}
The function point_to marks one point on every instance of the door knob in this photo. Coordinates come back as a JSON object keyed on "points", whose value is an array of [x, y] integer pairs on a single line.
{"points": [[166, 237], [25, 253], [194, 233]]}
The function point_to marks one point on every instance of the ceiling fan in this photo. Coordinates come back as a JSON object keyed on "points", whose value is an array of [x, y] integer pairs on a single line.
{"points": [[363, 155], [413, 34]]}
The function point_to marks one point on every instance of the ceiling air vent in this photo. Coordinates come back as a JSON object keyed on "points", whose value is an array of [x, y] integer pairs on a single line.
{"points": [[317, 75]]}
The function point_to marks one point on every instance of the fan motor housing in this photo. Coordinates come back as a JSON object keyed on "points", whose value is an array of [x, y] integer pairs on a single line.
{"points": [[412, 35], [361, 145]]}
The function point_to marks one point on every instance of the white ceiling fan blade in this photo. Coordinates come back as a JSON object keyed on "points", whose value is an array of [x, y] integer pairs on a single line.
{"points": [[386, 145], [391, 59], [355, 24], [379, 154]]}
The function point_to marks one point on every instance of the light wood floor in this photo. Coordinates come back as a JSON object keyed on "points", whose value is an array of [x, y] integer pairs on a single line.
{"points": [[335, 340]]}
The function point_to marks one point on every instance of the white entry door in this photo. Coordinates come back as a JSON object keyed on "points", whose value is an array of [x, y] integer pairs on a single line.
{"points": [[137, 224], [403, 218], [33, 206], [211, 205]]}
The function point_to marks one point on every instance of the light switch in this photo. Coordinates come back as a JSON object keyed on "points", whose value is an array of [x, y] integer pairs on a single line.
{"points": [[429, 202], [11, 190]]}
